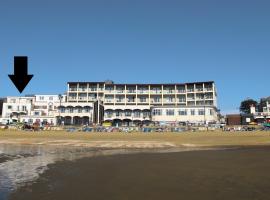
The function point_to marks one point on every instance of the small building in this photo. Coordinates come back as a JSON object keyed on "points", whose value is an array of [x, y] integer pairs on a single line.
{"points": [[233, 119]]}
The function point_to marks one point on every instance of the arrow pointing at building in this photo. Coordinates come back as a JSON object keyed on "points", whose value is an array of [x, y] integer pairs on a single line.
{"points": [[21, 77]]}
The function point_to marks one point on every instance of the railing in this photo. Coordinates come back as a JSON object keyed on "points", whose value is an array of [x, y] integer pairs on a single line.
{"points": [[143, 91], [168, 91], [73, 89], [72, 99], [119, 91], [155, 91], [82, 89], [181, 91], [109, 91], [208, 89], [199, 89], [92, 99]]}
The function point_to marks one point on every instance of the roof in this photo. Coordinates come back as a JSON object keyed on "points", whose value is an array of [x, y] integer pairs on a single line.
{"points": [[153, 84]]}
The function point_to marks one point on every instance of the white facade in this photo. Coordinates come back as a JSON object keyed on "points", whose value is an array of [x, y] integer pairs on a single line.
{"points": [[76, 113], [97, 102], [265, 114], [46, 109], [187, 102], [15, 107], [36, 108]]}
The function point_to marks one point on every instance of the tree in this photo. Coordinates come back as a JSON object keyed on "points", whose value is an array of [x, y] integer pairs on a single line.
{"points": [[245, 105]]}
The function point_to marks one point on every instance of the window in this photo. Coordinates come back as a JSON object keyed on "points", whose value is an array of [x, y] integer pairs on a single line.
{"points": [[50, 98], [156, 99], [201, 112], [36, 113], [128, 113], [146, 114], [143, 99], [192, 111], [182, 112], [169, 99], [157, 112], [117, 113], [131, 99], [137, 113], [41, 98], [169, 112], [211, 112], [109, 113], [10, 107]]}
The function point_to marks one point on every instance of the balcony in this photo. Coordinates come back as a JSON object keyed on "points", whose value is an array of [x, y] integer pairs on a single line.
{"points": [[72, 98], [168, 91], [208, 89], [120, 91], [73, 89], [91, 99], [84, 89], [131, 101], [92, 89], [82, 98], [120, 101], [181, 91], [143, 101], [109, 101], [143, 91], [199, 89], [190, 90]]}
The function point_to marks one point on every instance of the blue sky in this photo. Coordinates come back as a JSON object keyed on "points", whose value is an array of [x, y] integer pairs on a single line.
{"points": [[139, 42]]}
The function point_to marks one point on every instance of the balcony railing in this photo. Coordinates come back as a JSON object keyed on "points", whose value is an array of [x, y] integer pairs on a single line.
{"points": [[82, 89], [168, 91], [73, 89], [72, 98], [109, 101], [181, 91], [208, 89], [143, 91]]}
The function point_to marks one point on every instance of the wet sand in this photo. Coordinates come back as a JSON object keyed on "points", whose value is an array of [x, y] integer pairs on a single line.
{"points": [[211, 174]]}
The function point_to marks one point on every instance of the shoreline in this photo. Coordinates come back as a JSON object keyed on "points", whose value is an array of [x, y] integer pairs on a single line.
{"points": [[233, 173]]}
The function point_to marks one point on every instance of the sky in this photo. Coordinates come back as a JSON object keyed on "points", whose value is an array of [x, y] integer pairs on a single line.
{"points": [[139, 41]]}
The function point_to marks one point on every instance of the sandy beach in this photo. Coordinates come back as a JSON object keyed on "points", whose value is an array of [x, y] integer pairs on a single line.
{"points": [[239, 174], [190, 165], [136, 140]]}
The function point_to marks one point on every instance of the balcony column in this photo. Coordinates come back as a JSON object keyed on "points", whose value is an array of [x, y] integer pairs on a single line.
{"points": [[77, 97], [71, 120], [114, 90], [175, 96], [136, 100], [149, 92], [125, 91], [87, 92]]}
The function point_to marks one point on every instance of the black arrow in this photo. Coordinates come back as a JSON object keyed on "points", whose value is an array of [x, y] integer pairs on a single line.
{"points": [[21, 77]]}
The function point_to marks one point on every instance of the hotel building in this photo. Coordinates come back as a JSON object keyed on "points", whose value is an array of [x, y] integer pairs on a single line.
{"points": [[31, 108], [126, 104]]}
